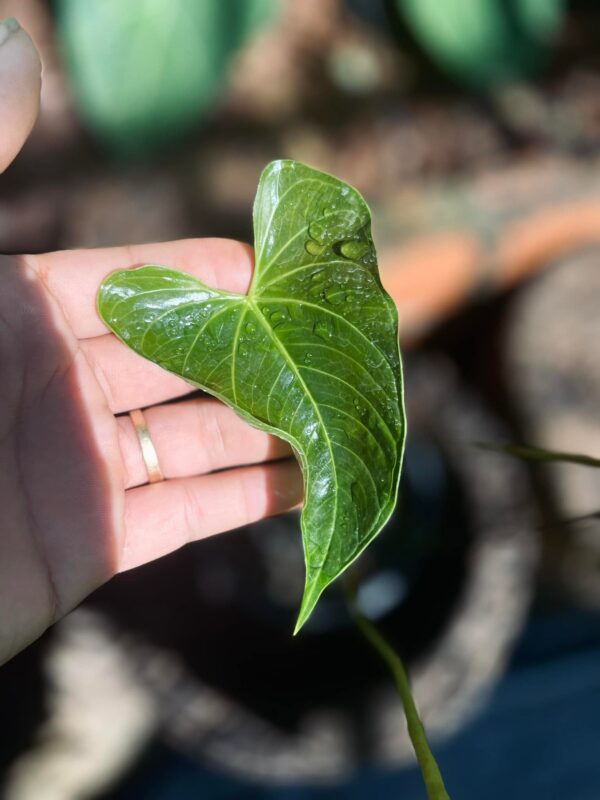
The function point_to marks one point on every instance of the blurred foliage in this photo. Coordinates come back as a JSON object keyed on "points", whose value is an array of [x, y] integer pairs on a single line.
{"points": [[144, 73], [529, 453], [484, 42]]}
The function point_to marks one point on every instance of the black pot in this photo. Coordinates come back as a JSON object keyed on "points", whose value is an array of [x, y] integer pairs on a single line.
{"points": [[203, 637]]}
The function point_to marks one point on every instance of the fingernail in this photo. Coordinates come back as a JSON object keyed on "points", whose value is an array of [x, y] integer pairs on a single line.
{"points": [[7, 28]]}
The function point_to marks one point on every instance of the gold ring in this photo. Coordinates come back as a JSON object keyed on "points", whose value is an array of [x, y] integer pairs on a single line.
{"points": [[148, 450]]}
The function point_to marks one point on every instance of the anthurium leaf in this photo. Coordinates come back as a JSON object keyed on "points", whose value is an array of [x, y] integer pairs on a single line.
{"points": [[309, 354]]}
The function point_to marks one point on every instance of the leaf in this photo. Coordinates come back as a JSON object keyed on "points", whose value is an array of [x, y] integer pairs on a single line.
{"points": [[144, 72], [310, 354], [483, 42], [529, 453]]}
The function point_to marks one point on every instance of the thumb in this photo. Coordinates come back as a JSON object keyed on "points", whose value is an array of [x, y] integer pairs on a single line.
{"points": [[20, 83]]}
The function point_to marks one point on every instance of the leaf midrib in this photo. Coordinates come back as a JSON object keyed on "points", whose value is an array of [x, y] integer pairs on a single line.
{"points": [[292, 365]]}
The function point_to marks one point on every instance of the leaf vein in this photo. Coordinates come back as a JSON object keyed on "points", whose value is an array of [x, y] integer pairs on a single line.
{"points": [[331, 313], [296, 370], [359, 393], [201, 331], [276, 208], [303, 267]]}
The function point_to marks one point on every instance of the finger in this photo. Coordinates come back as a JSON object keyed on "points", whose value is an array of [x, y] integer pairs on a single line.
{"points": [[195, 437], [74, 276], [129, 381], [161, 517], [20, 84]]}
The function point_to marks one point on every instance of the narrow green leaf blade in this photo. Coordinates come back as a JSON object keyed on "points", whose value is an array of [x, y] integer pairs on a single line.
{"points": [[310, 354], [531, 453]]}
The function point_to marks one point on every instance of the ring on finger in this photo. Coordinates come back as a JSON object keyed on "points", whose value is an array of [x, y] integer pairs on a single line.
{"points": [[149, 454]]}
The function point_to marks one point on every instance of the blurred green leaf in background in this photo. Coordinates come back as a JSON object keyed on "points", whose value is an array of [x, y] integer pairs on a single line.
{"points": [[484, 42], [144, 73]]}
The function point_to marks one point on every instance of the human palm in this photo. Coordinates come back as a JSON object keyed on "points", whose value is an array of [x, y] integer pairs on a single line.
{"points": [[75, 505]]}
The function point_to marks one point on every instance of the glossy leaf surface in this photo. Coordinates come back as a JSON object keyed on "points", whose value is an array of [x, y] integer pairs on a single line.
{"points": [[310, 354]]}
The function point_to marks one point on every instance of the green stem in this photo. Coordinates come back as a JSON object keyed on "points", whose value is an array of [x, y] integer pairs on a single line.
{"points": [[432, 777]]}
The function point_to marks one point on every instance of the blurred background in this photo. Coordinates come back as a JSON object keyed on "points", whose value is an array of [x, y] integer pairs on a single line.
{"points": [[472, 127]]}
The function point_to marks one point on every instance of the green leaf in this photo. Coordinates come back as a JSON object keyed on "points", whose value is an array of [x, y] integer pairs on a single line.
{"points": [[432, 777], [529, 453], [310, 354], [144, 72], [483, 42]]}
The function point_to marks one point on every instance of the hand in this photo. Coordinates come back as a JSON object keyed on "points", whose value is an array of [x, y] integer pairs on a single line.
{"points": [[74, 509]]}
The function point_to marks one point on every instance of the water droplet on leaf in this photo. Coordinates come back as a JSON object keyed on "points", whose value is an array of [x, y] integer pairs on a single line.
{"points": [[277, 318], [314, 248], [359, 407], [322, 330], [333, 226], [334, 296], [352, 249]]}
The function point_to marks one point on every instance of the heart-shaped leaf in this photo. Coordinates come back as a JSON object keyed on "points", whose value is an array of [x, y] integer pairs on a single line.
{"points": [[309, 354]]}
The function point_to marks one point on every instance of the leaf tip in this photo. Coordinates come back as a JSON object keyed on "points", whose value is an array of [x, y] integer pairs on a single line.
{"points": [[303, 616], [312, 592], [275, 167]]}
